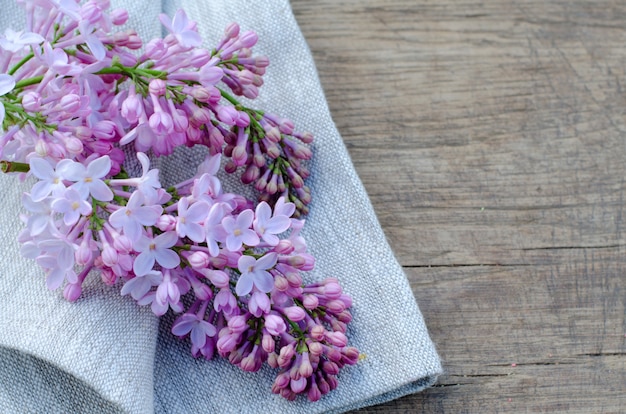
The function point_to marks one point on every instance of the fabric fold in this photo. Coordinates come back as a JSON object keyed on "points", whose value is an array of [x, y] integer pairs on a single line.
{"points": [[107, 347]]}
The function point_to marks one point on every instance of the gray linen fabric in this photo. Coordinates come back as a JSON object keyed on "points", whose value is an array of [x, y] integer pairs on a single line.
{"points": [[105, 354]]}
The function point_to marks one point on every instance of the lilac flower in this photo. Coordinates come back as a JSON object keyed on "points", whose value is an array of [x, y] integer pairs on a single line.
{"points": [[148, 183], [88, 179], [57, 61], [7, 83], [267, 226], [93, 42], [213, 229], [254, 273], [225, 302], [41, 217], [198, 327], [168, 293], [155, 249], [15, 41], [72, 206], [239, 232], [189, 219], [138, 286], [182, 28], [135, 215]]}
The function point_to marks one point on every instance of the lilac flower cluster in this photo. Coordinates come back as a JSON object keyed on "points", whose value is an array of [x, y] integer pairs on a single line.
{"points": [[73, 95], [71, 87]]}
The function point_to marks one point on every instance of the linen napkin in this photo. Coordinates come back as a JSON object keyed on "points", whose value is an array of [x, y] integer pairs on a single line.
{"points": [[106, 354]]}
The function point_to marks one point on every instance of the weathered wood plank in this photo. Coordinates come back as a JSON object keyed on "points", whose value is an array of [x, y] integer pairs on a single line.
{"points": [[493, 133]]}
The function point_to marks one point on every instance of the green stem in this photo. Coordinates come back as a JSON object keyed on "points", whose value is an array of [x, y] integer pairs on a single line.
{"points": [[9, 166], [27, 82], [229, 97], [21, 63]]}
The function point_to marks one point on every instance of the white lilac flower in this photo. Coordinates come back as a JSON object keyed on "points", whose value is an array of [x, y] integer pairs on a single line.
{"points": [[88, 180], [153, 250], [72, 206], [267, 226], [190, 219], [238, 231], [15, 41], [134, 215], [254, 273]]}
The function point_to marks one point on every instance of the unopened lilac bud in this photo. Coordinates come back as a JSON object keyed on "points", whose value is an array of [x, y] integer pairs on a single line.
{"points": [[331, 289], [240, 155], [251, 174], [31, 101], [219, 262], [338, 326], [351, 355], [201, 94], [272, 359], [238, 324], [282, 380], [231, 31], [318, 332], [118, 16], [72, 291], [83, 254], [166, 222], [294, 279], [274, 324], [243, 120], [314, 394], [156, 49], [219, 278], [157, 87], [108, 276], [83, 132], [226, 343], [250, 91], [337, 338], [248, 39], [335, 306], [284, 247], [345, 316], [120, 38], [122, 243], [268, 343], [306, 369], [306, 137], [286, 354], [74, 145], [227, 114], [261, 61], [286, 126], [280, 283], [109, 255], [323, 385], [70, 103], [199, 58], [199, 260], [330, 367], [298, 385], [347, 300], [134, 41], [310, 302], [316, 349], [104, 130], [333, 354], [295, 313]]}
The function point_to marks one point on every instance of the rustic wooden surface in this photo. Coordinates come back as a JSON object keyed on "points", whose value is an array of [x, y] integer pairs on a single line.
{"points": [[491, 138]]}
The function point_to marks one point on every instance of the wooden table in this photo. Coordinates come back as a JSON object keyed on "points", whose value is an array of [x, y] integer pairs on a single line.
{"points": [[491, 138]]}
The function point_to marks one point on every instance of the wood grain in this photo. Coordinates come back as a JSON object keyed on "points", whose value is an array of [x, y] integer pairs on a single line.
{"points": [[490, 137]]}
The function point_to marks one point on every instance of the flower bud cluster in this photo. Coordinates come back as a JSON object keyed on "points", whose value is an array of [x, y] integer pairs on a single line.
{"points": [[71, 88]]}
